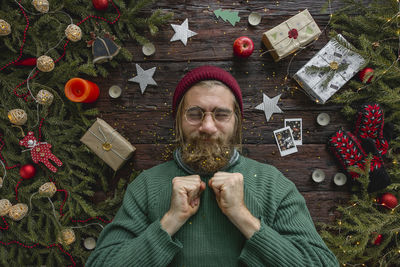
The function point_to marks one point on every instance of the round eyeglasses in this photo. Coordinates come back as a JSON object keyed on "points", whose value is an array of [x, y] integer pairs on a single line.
{"points": [[195, 115]]}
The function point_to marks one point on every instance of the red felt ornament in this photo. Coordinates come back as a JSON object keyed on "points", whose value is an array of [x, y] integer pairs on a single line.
{"points": [[26, 62], [366, 75], [388, 200], [100, 4], [40, 151], [378, 240], [27, 171]]}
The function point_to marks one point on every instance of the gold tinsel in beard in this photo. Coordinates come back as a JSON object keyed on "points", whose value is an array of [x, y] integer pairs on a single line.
{"points": [[206, 157]]}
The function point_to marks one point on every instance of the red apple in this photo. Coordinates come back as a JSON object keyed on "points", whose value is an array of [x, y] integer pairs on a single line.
{"points": [[100, 4], [367, 72], [243, 47]]}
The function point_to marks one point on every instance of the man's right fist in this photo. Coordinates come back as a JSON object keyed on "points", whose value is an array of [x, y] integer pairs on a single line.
{"points": [[185, 202]]}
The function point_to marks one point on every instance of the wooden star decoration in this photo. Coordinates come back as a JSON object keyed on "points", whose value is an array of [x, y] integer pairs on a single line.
{"points": [[182, 32], [269, 106], [144, 77]]}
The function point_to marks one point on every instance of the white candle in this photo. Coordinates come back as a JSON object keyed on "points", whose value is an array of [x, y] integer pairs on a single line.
{"points": [[254, 19], [148, 49], [115, 91], [89, 243], [323, 119], [339, 179], [318, 175]]}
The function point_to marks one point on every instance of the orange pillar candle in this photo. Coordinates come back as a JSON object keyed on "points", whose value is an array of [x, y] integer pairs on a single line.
{"points": [[80, 90]]}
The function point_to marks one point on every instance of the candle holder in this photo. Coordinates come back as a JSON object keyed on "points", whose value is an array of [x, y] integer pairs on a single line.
{"points": [[318, 175], [323, 119], [339, 179], [80, 90], [115, 91], [89, 243], [148, 49], [254, 18]]}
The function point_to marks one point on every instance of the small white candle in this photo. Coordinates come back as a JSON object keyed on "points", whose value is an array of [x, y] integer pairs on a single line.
{"points": [[323, 119], [254, 19], [89, 243], [148, 49], [318, 175], [339, 179], [115, 91]]}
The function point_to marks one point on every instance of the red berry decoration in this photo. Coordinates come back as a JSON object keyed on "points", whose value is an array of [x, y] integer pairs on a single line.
{"points": [[388, 200], [26, 62], [27, 171], [100, 4], [366, 75], [243, 47], [378, 240]]}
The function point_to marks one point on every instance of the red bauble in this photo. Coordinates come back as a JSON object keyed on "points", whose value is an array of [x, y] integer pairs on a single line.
{"points": [[378, 240], [388, 200], [363, 73], [27, 171], [100, 4], [26, 62]]}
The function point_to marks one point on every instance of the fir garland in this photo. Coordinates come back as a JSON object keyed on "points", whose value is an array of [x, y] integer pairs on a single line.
{"points": [[331, 70], [372, 28], [30, 241]]}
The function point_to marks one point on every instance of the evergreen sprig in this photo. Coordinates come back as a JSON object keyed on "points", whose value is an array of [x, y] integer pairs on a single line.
{"points": [[330, 73]]}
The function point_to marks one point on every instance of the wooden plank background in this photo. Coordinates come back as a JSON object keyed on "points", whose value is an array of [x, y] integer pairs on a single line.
{"points": [[147, 122]]}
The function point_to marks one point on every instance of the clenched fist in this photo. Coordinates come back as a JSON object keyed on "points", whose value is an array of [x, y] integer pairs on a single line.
{"points": [[185, 201], [229, 192]]}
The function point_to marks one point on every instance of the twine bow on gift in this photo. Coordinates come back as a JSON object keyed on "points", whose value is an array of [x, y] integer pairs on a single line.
{"points": [[106, 143]]}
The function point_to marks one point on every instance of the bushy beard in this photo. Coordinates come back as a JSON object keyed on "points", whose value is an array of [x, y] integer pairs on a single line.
{"points": [[206, 157]]}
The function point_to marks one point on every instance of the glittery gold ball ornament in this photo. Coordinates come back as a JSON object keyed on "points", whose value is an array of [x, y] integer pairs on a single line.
{"points": [[18, 211], [45, 63], [5, 28], [1, 182], [41, 5], [66, 236], [73, 33], [5, 206], [17, 116], [48, 189], [44, 97]]}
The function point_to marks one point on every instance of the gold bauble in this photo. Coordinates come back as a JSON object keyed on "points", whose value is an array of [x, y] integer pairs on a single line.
{"points": [[5, 28], [17, 116], [45, 63], [5, 206], [1, 182], [18, 211], [44, 97], [66, 236], [48, 189], [73, 33], [41, 5]]}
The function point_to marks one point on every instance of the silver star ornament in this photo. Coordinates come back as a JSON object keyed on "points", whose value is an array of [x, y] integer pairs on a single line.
{"points": [[182, 32], [269, 106], [144, 77]]}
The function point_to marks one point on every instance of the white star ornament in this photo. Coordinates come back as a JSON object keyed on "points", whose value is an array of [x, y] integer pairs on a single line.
{"points": [[182, 32], [269, 106], [144, 77]]}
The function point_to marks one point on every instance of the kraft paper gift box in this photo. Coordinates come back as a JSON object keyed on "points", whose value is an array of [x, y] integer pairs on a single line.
{"points": [[291, 35], [108, 144], [334, 65]]}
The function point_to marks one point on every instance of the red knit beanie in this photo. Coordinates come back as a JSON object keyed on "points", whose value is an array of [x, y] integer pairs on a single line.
{"points": [[206, 73]]}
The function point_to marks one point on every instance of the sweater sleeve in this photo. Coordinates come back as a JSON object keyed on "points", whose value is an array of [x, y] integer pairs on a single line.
{"points": [[291, 239], [131, 239]]}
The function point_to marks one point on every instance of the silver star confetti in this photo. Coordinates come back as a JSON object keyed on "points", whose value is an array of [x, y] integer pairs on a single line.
{"points": [[182, 32], [144, 77], [269, 106]]}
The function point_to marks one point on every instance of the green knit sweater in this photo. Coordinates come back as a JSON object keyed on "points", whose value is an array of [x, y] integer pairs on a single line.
{"points": [[287, 236]]}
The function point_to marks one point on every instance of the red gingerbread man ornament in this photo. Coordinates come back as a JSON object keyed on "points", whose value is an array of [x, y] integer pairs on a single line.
{"points": [[40, 151]]}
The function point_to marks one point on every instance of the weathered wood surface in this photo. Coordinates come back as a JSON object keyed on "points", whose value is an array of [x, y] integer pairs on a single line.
{"points": [[146, 120]]}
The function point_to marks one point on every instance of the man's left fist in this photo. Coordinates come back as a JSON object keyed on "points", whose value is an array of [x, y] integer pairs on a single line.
{"points": [[228, 188]]}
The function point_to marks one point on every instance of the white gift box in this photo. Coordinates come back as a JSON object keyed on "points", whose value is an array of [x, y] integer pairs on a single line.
{"points": [[332, 55]]}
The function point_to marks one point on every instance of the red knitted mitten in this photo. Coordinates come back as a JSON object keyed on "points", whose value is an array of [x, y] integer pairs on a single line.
{"points": [[370, 124], [349, 151]]}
